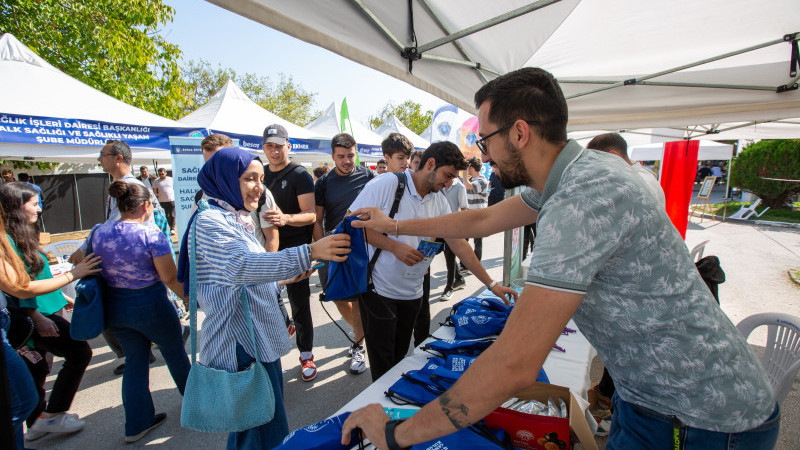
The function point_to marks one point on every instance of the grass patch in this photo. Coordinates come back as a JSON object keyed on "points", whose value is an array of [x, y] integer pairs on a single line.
{"points": [[774, 215]]}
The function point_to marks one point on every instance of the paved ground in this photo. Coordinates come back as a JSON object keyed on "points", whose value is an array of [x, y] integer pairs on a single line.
{"points": [[755, 260]]}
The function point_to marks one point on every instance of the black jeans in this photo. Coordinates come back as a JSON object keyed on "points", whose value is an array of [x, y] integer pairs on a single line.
{"points": [[169, 211], [76, 354], [388, 324], [422, 326], [452, 273], [478, 247], [300, 298]]}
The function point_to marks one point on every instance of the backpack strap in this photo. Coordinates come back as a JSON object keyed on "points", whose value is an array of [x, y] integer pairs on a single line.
{"points": [[398, 194]]}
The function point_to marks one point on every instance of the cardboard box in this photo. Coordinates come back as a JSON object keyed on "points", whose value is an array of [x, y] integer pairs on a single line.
{"points": [[534, 432]]}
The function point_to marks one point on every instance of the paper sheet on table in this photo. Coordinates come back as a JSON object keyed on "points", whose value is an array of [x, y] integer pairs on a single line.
{"points": [[429, 249]]}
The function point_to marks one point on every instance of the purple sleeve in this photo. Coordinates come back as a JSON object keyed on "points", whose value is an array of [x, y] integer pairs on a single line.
{"points": [[157, 243]]}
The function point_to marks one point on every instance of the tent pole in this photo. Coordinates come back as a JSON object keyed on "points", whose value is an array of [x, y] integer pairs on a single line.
{"points": [[676, 69], [486, 24], [728, 187], [78, 199], [377, 23]]}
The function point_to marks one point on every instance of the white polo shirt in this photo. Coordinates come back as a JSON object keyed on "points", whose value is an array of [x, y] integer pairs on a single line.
{"points": [[388, 275]]}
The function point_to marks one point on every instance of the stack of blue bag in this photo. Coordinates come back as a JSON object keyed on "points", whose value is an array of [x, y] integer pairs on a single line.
{"points": [[476, 317]]}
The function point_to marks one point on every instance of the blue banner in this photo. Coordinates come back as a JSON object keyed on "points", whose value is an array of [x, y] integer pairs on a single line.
{"points": [[25, 129], [253, 143]]}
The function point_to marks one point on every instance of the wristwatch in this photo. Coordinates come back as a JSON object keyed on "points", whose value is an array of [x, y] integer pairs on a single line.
{"points": [[492, 285], [390, 442]]}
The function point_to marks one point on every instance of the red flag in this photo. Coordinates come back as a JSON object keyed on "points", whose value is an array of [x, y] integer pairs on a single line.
{"points": [[677, 180]]}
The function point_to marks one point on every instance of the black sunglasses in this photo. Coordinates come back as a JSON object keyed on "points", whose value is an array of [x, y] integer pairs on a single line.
{"points": [[481, 143]]}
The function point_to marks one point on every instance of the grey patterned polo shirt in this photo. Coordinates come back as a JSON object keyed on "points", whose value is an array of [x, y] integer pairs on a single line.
{"points": [[645, 308]]}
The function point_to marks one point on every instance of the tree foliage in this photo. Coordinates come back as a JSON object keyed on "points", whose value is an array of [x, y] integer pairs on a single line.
{"points": [[769, 159], [286, 99], [408, 112], [111, 45]]}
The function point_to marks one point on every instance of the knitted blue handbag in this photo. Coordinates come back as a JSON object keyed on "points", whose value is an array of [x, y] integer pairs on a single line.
{"points": [[218, 401], [88, 318], [348, 278]]}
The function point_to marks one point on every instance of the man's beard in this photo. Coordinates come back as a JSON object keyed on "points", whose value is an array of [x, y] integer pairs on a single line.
{"points": [[516, 175]]}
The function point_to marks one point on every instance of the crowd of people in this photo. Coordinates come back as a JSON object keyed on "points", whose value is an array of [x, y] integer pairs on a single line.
{"points": [[606, 255]]}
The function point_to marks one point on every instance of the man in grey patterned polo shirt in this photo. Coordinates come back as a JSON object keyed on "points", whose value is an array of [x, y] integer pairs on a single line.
{"points": [[606, 255]]}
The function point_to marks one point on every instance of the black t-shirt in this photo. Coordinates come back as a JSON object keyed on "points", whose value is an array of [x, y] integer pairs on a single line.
{"points": [[295, 181], [336, 193]]}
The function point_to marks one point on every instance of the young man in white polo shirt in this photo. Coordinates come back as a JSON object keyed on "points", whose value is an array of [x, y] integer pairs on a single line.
{"points": [[389, 310]]}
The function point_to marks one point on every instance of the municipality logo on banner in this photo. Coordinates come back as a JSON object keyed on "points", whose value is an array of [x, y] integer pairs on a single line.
{"points": [[445, 126]]}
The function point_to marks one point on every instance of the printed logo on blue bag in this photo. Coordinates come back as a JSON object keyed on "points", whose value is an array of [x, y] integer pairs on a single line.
{"points": [[480, 320]]}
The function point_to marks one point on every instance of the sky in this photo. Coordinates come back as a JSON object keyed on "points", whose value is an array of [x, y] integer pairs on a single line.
{"points": [[208, 32]]}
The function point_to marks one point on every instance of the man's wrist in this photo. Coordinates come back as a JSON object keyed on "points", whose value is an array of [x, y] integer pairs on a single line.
{"points": [[392, 443]]}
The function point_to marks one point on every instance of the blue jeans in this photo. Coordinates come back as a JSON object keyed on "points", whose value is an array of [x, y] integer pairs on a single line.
{"points": [[138, 317], [635, 427], [23, 397], [272, 433]]}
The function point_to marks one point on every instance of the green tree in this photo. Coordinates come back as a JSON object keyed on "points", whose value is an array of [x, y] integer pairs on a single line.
{"points": [[408, 112], [287, 99], [111, 45], [769, 159]]}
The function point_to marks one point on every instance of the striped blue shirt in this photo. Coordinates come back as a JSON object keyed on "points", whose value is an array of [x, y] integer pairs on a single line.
{"points": [[230, 258]]}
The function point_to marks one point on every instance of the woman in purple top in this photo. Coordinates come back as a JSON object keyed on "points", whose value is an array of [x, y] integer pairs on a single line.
{"points": [[138, 264]]}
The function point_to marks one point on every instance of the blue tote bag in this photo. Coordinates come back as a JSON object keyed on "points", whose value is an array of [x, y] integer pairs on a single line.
{"points": [[88, 316], [348, 278]]}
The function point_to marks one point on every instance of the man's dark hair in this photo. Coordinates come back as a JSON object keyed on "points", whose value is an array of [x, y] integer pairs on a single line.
{"points": [[475, 163], [396, 142], [381, 161], [343, 140], [215, 141], [121, 148], [320, 171], [23, 177], [445, 153], [607, 142], [530, 94]]}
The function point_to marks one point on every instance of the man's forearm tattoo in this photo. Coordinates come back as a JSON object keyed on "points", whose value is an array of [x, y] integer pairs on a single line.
{"points": [[457, 413]]}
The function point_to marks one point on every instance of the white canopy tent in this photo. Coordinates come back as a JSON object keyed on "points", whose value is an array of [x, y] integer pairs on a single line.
{"points": [[38, 101], [708, 150], [328, 125], [393, 125], [230, 110], [621, 63]]}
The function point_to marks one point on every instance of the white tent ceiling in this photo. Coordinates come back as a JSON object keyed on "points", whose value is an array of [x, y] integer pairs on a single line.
{"points": [[393, 125], [671, 53], [231, 110], [32, 87]]}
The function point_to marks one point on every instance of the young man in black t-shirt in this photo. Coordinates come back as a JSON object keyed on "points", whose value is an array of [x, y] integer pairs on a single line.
{"points": [[334, 192], [293, 189]]}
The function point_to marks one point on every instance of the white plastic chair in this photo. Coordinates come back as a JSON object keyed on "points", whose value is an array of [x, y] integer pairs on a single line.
{"points": [[62, 250], [697, 252], [782, 353], [745, 212]]}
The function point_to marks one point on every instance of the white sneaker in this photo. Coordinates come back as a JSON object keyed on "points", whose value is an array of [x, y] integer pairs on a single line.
{"points": [[61, 423], [358, 363], [33, 435]]}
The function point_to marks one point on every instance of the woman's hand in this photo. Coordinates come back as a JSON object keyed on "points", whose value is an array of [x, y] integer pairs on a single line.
{"points": [[70, 303], [332, 248], [44, 326], [374, 219], [300, 277], [88, 266]]}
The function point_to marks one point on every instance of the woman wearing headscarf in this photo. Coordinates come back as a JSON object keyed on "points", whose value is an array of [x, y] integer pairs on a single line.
{"points": [[229, 259]]}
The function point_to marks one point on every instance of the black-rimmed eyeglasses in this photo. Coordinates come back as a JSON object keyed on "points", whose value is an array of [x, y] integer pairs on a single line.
{"points": [[481, 143]]}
